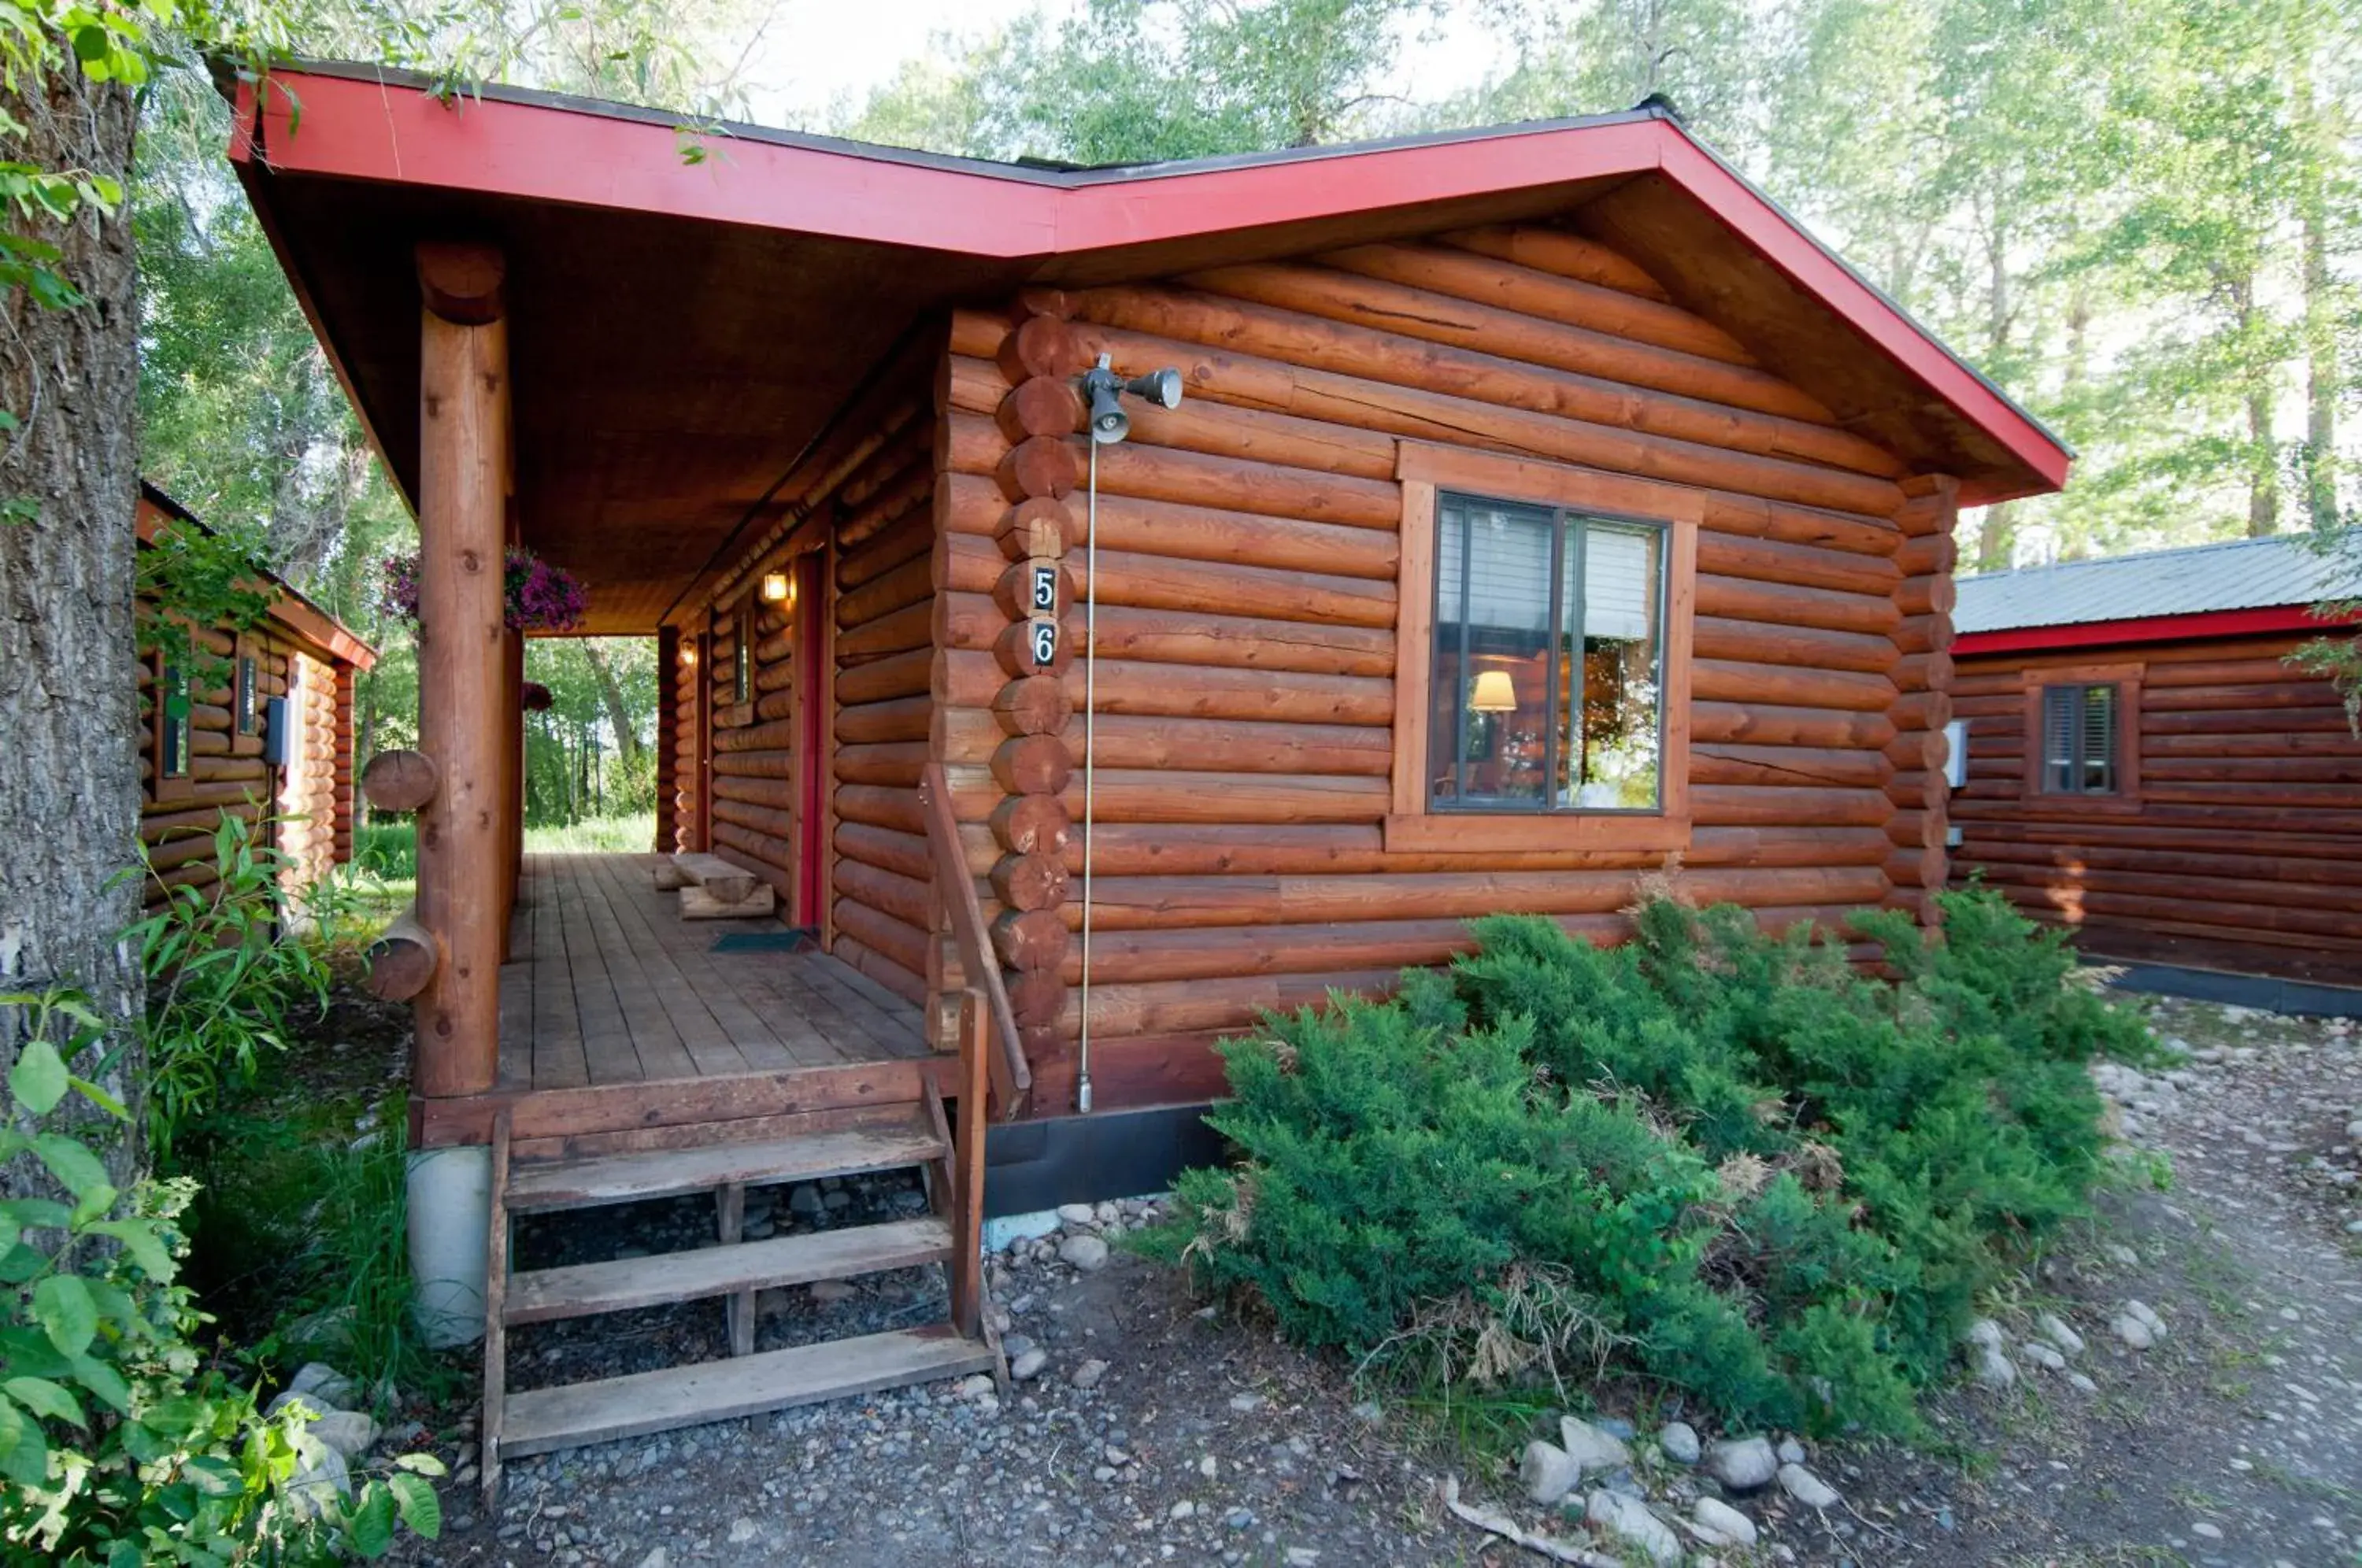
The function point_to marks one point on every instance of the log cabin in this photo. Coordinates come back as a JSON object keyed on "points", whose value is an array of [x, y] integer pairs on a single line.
{"points": [[1095, 607], [2147, 769], [271, 744]]}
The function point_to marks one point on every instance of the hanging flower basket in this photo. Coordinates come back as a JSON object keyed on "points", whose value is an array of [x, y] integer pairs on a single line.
{"points": [[536, 698], [541, 597]]}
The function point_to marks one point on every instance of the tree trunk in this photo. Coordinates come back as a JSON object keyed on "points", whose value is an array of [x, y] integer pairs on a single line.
{"points": [[611, 692], [69, 766], [2263, 461], [2319, 310]]}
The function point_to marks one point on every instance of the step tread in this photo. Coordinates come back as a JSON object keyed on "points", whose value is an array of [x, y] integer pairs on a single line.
{"points": [[547, 1418], [908, 1140], [579, 1290]]}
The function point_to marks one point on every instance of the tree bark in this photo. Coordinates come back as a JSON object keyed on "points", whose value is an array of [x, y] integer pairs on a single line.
{"points": [[2320, 308], [69, 763], [611, 692]]}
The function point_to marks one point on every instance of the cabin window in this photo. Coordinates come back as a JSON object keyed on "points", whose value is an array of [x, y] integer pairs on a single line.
{"points": [[244, 701], [2080, 725], [1541, 658], [171, 722], [1547, 679], [742, 657]]}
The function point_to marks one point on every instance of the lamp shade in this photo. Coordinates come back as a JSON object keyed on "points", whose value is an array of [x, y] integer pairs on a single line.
{"points": [[1493, 693], [777, 589]]}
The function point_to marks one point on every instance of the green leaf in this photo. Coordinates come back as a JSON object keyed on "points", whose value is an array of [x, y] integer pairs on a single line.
{"points": [[25, 1458], [372, 1522], [422, 1510], [176, 1416], [104, 1381], [62, 1304], [71, 1161], [101, 1098], [147, 1249], [39, 1078], [36, 1213], [123, 1555], [44, 1397], [421, 1464]]}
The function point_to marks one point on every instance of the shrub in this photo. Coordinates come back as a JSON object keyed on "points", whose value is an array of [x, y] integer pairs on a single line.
{"points": [[117, 1446], [1733, 1162]]}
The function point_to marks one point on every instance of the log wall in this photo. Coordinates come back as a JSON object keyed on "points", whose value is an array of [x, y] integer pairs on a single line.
{"points": [[313, 799], [1247, 564], [2243, 847]]}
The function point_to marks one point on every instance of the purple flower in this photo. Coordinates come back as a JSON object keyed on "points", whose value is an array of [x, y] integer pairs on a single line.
{"points": [[541, 597]]}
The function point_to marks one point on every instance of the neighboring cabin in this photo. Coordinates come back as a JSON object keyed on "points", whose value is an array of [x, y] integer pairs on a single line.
{"points": [[227, 756], [2147, 768]]}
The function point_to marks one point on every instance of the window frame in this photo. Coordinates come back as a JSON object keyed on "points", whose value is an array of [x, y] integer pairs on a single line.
{"points": [[1413, 823], [246, 687], [167, 785], [2035, 789]]}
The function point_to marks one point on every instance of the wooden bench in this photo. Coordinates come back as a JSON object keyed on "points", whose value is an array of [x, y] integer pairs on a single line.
{"points": [[712, 888]]}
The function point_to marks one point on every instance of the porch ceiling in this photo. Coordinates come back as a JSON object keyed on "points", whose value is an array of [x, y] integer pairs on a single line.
{"points": [[665, 373]]}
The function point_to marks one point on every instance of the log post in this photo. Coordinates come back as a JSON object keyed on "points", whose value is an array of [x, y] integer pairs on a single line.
{"points": [[667, 736], [1039, 416], [1922, 704], [462, 662]]}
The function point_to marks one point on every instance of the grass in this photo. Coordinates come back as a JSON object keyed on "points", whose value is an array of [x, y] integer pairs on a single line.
{"points": [[634, 834]]}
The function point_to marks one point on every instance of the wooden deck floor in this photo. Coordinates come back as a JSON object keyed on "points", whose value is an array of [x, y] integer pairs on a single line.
{"points": [[606, 984]]}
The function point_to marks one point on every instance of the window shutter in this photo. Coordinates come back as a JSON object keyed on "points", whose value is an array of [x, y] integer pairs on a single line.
{"points": [[2058, 717], [2099, 739]]}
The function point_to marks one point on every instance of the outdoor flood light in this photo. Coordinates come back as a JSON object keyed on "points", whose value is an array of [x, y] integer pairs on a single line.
{"points": [[1102, 390], [777, 588]]}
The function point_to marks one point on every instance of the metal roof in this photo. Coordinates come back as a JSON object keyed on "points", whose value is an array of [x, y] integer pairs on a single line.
{"points": [[2245, 574]]}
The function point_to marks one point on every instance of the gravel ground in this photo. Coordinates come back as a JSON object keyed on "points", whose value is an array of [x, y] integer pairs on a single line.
{"points": [[2233, 1438]]}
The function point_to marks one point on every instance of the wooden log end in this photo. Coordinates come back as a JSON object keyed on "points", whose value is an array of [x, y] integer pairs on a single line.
{"points": [[462, 281], [402, 960], [400, 780]]}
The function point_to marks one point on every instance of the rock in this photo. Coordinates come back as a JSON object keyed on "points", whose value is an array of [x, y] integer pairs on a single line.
{"points": [[1016, 1345], [2080, 1384], [2124, 1255], [1590, 1447], [656, 1558], [1727, 1524], [2051, 1327], [1548, 1473], [2148, 1319], [1678, 1441], [321, 1480], [743, 1531], [1184, 1509], [1369, 1412], [1742, 1464], [1077, 1214], [1246, 1403], [1791, 1451], [1029, 1366], [1629, 1520], [349, 1432], [1087, 1375], [829, 1292], [1985, 1333], [1808, 1488], [2043, 1355], [1995, 1369], [804, 1198], [327, 1389], [1085, 1252], [835, 1200], [2132, 1332]]}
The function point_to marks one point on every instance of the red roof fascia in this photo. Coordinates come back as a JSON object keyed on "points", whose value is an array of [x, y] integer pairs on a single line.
{"points": [[367, 130], [2150, 629]]}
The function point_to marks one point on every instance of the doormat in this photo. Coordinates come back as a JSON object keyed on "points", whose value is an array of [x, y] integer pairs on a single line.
{"points": [[802, 939]]}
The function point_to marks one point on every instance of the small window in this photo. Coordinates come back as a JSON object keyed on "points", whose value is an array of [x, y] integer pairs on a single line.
{"points": [[1548, 683], [247, 705], [173, 723], [2079, 747], [742, 657]]}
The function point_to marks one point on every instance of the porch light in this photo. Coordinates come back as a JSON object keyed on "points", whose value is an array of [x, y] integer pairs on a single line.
{"points": [[1493, 694], [777, 589], [688, 658]]}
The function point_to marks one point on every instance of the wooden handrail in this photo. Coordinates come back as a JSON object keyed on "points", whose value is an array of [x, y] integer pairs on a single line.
{"points": [[1010, 1075]]}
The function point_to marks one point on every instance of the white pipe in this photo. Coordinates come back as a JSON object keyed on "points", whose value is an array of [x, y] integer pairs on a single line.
{"points": [[1090, 734], [450, 1203]]}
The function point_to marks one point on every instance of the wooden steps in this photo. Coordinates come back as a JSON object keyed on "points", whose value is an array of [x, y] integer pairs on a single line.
{"points": [[908, 1139], [585, 1289], [646, 1402], [896, 1131]]}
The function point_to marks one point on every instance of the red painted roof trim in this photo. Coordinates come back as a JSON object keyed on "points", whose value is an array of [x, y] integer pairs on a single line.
{"points": [[2150, 629], [381, 130]]}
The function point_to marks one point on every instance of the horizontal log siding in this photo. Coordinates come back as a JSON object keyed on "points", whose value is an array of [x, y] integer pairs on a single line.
{"points": [[308, 804], [2246, 850], [1247, 564]]}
